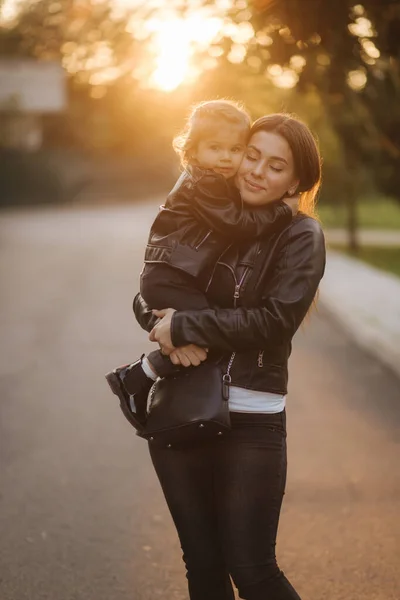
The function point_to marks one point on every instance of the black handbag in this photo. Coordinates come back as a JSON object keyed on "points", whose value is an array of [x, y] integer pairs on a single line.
{"points": [[190, 406]]}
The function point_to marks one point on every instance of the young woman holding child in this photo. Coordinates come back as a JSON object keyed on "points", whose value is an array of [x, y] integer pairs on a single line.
{"points": [[225, 494], [203, 215]]}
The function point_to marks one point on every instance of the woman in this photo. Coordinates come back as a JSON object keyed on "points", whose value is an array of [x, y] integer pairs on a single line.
{"points": [[225, 495]]}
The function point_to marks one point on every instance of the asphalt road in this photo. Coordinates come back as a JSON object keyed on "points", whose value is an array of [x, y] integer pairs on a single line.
{"points": [[81, 513]]}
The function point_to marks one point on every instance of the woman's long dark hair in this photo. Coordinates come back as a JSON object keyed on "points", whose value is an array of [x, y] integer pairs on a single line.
{"points": [[306, 156]]}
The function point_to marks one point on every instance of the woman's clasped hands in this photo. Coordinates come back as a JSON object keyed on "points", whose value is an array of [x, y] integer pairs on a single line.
{"points": [[185, 355]]}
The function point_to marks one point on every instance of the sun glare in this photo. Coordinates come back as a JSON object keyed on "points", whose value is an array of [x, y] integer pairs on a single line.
{"points": [[8, 10], [173, 48], [175, 42]]}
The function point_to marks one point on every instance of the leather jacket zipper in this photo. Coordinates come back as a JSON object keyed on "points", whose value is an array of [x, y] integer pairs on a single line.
{"points": [[238, 285], [226, 379], [203, 239], [236, 294]]}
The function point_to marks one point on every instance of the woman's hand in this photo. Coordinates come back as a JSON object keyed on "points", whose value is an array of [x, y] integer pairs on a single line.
{"points": [[185, 355], [188, 355], [161, 332]]}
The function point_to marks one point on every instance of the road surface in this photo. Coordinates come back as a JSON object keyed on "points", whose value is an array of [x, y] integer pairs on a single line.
{"points": [[81, 513]]}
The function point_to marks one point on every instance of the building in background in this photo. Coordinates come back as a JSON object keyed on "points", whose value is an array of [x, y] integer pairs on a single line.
{"points": [[29, 89]]}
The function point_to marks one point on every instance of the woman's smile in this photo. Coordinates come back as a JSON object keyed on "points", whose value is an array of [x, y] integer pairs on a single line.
{"points": [[254, 187]]}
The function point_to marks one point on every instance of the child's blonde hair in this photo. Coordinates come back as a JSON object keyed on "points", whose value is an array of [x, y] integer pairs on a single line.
{"points": [[202, 121]]}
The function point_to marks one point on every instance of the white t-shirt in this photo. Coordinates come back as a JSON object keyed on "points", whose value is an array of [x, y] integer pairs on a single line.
{"points": [[242, 400]]}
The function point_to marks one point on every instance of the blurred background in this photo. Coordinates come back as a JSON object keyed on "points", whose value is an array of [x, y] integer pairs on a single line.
{"points": [[91, 94], [90, 88]]}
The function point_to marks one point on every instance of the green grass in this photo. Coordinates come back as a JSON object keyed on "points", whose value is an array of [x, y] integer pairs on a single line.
{"points": [[385, 258], [382, 213]]}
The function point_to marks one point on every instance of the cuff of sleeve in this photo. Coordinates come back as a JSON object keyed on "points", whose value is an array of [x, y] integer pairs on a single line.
{"points": [[174, 331], [178, 329]]}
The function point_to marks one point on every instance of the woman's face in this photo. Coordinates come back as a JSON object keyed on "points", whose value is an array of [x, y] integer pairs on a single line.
{"points": [[267, 171]]}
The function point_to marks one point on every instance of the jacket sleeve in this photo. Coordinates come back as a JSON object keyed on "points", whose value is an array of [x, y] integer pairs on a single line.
{"points": [[143, 314], [217, 204], [286, 299], [162, 364]]}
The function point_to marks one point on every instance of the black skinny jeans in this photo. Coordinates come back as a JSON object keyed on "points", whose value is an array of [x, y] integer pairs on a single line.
{"points": [[225, 497]]}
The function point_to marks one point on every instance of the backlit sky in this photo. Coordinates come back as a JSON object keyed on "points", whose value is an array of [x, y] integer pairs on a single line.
{"points": [[176, 39]]}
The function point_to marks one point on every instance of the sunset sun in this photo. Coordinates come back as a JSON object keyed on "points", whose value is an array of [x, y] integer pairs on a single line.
{"points": [[175, 42], [173, 53]]}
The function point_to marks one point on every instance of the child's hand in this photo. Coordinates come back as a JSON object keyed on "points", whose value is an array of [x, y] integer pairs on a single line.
{"points": [[293, 203], [161, 332], [188, 355]]}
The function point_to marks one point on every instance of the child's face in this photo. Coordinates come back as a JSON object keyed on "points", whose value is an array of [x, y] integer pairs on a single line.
{"points": [[222, 151]]}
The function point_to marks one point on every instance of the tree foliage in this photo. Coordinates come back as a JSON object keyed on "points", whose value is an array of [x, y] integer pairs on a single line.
{"points": [[86, 37], [350, 54]]}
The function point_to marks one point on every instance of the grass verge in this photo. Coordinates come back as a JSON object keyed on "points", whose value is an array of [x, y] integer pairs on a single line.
{"points": [[385, 258], [383, 213]]}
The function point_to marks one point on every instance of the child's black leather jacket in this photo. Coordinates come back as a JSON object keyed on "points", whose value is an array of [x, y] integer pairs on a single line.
{"points": [[202, 217]]}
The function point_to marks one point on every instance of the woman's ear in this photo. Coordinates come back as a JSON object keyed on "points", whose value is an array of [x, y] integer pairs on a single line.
{"points": [[293, 188]]}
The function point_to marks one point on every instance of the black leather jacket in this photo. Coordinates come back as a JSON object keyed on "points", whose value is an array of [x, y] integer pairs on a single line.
{"points": [[203, 215], [260, 293]]}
